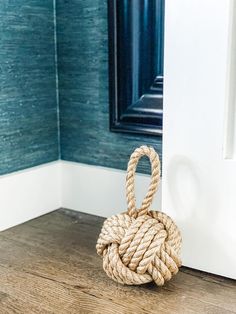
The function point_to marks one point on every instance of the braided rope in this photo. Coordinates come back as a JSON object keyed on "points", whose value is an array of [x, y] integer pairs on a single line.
{"points": [[140, 245]]}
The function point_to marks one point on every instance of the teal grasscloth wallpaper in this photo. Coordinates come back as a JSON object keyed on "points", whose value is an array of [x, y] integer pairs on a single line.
{"points": [[83, 89], [28, 108], [28, 90]]}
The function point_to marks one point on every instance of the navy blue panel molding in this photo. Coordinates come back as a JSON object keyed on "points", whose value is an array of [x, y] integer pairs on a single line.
{"points": [[82, 37], [28, 109], [136, 43]]}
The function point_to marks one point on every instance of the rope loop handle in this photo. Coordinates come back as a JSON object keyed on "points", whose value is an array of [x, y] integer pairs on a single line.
{"points": [[130, 186]]}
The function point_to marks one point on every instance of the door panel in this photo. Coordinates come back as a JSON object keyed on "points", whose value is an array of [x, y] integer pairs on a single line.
{"points": [[199, 165]]}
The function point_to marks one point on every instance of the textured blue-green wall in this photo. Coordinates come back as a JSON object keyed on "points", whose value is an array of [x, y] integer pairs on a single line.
{"points": [[28, 108], [28, 103], [83, 89]]}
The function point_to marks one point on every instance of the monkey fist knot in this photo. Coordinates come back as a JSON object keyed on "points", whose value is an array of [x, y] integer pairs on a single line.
{"points": [[140, 250]]}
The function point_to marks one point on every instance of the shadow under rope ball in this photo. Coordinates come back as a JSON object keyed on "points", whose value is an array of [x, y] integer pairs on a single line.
{"points": [[140, 245]]}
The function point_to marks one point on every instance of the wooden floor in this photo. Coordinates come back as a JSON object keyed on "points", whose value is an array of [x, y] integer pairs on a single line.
{"points": [[49, 265]]}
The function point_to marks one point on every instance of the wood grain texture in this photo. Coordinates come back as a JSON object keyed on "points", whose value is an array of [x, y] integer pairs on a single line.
{"points": [[28, 108], [83, 89], [49, 265]]}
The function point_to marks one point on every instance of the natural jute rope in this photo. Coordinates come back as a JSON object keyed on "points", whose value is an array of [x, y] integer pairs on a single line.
{"points": [[139, 246]]}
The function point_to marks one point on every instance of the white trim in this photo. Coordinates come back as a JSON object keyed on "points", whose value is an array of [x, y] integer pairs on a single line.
{"points": [[29, 193], [98, 190], [229, 145], [33, 192]]}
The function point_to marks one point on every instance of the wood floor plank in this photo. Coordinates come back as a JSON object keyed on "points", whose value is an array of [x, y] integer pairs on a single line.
{"points": [[48, 295], [49, 265]]}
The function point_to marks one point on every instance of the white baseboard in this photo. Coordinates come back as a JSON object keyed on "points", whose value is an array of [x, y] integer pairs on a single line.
{"points": [[29, 193], [99, 190], [33, 192]]}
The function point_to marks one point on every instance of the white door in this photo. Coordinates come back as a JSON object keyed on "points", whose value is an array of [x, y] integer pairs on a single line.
{"points": [[199, 142]]}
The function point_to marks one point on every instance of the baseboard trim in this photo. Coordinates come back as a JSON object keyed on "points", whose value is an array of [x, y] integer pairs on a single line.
{"points": [[98, 190], [29, 193]]}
